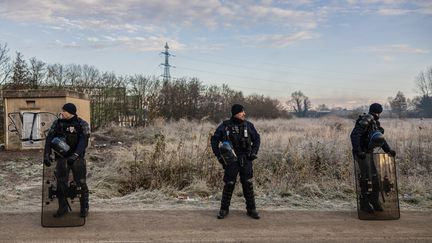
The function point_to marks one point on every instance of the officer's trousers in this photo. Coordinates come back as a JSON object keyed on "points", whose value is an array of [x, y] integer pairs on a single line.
{"points": [[243, 167], [79, 173]]}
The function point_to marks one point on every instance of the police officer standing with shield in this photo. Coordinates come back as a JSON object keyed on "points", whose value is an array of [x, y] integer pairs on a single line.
{"points": [[68, 137], [367, 135], [240, 145]]}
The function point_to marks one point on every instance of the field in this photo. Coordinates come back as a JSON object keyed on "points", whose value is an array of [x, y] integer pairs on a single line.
{"points": [[302, 164]]}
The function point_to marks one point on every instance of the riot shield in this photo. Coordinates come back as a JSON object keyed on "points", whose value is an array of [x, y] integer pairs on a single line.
{"points": [[50, 193], [376, 186], [30, 128]]}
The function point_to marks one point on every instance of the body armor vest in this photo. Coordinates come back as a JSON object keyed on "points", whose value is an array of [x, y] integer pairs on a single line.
{"points": [[370, 125], [238, 135], [70, 131]]}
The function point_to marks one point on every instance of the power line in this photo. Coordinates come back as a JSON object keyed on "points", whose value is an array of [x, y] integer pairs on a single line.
{"points": [[253, 68], [265, 63], [273, 81]]}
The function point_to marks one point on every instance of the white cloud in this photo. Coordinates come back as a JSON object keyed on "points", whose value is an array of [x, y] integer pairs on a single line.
{"points": [[394, 49], [389, 53], [137, 43], [297, 2], [93, 39], [68, 45], [277, 40], [391, 7], [134, 15], [393, 11], [283, 17], [369, 2], [133, 18], [99, 18]]}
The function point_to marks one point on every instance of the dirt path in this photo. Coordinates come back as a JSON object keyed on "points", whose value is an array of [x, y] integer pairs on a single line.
{"points": [[202, 226]]}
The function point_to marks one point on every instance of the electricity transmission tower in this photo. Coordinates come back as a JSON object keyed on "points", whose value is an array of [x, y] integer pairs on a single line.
{"points": [[166, 75]]}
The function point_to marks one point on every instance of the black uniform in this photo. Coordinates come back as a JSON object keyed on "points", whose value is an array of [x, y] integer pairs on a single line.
{"points": [[246, 141], [76, 133], [365, 125]]}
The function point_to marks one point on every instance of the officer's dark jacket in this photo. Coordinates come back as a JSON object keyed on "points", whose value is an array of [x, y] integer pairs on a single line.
{"points": [[75, 131], [233, 130], [365, 125]]}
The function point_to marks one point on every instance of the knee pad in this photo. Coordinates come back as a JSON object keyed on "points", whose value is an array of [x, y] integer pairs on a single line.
{"points": [[82, 183], [229, 186], [247, 182], [230, 183]]}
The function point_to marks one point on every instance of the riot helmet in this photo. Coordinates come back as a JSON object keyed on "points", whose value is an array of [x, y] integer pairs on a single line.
{"points": [[59, 145], [227, 152], [376, 139]]}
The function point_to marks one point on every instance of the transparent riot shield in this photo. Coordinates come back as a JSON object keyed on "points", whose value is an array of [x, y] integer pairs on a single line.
{"points": [[376, 186], [51, 192], [30, 128]]}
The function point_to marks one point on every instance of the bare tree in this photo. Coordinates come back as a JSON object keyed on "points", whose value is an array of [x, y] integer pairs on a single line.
{"points": [[323, 107], [90, 75], [56, 75], [5, 66], [306, 105], [423, 103], [37, 72], [424, 82], [138, 100], [300, 103], [74, 75]]}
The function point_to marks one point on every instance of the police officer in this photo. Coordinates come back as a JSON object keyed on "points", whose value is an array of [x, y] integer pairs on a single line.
{"points": [[245, 141], [363, 138], [75, 132]]}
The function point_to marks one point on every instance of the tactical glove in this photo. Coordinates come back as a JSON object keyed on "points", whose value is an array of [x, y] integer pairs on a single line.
{"points": [[71, 159], [47, 160], [392, 153], [361, 155], [252, 157], [222, 162]]}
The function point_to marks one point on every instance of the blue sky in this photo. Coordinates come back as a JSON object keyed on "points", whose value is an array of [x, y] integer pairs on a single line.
{"points": [[342, 53]]}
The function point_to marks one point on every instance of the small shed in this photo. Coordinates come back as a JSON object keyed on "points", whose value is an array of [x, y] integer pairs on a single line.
{"points": [[28, 114]]}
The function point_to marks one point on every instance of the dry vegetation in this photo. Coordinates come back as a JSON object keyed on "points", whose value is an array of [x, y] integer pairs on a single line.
{"points": [[300, 160], [303, 163]]}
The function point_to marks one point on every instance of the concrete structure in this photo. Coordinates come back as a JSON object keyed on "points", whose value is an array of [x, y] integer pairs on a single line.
{"points": [[28, 114]]}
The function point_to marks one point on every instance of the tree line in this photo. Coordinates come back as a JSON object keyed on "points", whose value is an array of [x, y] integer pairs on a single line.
{"points": [[419, 106], [136, 100], [133, 100]]}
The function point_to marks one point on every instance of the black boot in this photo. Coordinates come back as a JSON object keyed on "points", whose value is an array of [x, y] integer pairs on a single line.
{"points": [[60, 212], [365, 196], [84, 201], [226, 199], [63, 208], [374, 199], [365, 206], [84, 208], [377, 206], [253, 213], [83, 212], [222, 213]]}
